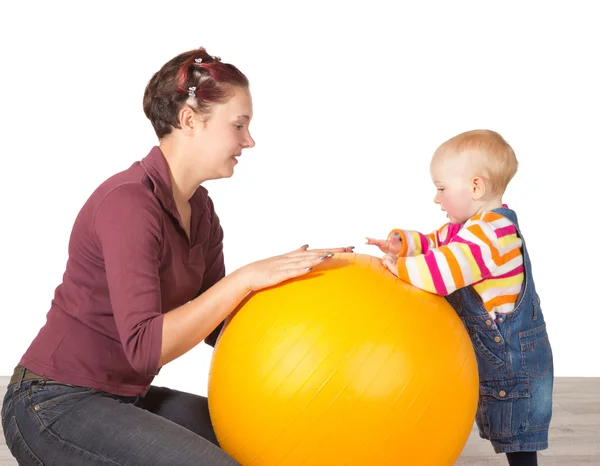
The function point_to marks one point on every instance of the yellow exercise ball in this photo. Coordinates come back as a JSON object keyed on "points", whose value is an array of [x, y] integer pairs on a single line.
{"points": [[345, 366]]}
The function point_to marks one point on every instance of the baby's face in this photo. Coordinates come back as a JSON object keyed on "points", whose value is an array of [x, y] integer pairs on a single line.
{"points": [[452, 177]]}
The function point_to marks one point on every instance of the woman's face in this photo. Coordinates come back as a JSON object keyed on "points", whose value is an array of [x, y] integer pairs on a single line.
{"points": [[222, 137]]}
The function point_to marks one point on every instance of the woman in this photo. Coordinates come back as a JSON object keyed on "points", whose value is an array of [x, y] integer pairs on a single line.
{"points": [[144, 283]]}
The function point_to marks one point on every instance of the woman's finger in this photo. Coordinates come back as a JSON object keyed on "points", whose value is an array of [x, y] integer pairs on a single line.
{"points": [[305, 253], [292, 262], [342, 249], [303, 263], [317, 252], [322, 251], [288, 274]]}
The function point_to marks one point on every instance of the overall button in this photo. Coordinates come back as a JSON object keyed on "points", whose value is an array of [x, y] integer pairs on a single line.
{"points": [[488, 322], [502, 393], [500, 319], [497, 339]]}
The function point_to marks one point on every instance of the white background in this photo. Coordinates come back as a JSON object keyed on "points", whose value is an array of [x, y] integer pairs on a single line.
{"points": [[350, 101]]}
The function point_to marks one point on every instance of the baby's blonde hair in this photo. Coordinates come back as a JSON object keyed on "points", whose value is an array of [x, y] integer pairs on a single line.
{"points": [[492, 157]]}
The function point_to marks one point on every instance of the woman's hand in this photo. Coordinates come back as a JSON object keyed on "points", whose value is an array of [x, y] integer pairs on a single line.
{"points": [[392, 245], [277, 269], [192, 322]]}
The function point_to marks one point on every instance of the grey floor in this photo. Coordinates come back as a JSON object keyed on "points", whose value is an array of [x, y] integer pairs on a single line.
{"points": [[574, 432]]}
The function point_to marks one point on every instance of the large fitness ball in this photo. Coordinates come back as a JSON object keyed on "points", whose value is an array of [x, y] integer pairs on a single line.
{"points": [[345, 366]]}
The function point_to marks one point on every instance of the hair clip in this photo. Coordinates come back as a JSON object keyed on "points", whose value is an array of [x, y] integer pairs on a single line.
{"points": [[216, 58], [192, 91], [197, 61]]}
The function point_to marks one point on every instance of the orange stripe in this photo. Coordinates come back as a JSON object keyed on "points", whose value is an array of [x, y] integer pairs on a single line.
{"points": [[508, 256], [433, 237], [492, 217], [454, 267], [499, 300], [404, 249], [477, 231]]}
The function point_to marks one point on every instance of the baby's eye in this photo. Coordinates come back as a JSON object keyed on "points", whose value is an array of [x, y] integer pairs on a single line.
{"points": [[238, 127], [440, 189]]}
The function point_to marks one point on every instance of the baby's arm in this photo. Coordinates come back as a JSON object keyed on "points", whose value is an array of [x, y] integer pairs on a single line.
{"points": [[483, 248], [415, 243]]}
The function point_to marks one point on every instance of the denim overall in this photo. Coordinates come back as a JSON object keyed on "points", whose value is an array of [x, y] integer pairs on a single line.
{"points": [[516, 372]]}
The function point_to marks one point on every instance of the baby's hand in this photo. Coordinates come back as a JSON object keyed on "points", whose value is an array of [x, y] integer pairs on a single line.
{"points": [[392, 245], [391, 262]]}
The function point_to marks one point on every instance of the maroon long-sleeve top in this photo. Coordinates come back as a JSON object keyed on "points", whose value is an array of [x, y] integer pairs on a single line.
{"points": [[130, 261]]}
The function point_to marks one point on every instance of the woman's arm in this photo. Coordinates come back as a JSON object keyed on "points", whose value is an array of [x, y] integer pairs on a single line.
{"points": [[188, 325]]}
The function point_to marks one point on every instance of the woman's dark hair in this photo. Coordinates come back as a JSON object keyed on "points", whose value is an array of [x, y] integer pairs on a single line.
{"points": [[192, 78]]}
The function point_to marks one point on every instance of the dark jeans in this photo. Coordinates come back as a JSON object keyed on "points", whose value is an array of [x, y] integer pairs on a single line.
{"points": [[48, 423]]}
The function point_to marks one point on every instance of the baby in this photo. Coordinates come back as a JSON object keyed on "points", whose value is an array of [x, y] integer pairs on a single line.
{"points": [[479, 262]]}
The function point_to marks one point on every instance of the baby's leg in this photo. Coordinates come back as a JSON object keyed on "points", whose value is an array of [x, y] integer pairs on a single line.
{"points": [[522, 458]]}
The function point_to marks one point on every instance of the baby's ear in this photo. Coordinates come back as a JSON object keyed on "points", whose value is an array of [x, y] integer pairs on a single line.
{"points": [[478, 187]]}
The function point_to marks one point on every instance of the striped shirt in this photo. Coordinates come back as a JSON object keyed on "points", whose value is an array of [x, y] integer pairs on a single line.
{"points": [[484, 252]]}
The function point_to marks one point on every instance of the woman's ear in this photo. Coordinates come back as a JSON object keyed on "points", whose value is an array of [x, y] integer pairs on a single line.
{"points": [[187, 119], [478, 188]]}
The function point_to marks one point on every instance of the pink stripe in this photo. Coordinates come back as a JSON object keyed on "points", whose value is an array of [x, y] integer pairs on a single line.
{"points": [[438, 281], [424, 243], [453, 229], [505, 231], [512, 273], [476, 253]]}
